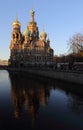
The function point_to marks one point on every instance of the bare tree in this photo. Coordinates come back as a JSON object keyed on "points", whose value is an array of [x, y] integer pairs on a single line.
{"points": [[76, 43]]}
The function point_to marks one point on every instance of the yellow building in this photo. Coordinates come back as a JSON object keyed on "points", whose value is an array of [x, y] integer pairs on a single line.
{"points": [[29, 48]]}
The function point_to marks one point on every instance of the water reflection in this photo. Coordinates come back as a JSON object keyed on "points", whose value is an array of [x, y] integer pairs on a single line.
{"points": [[75, 103], [74, 92], [63, 102], [28, 94]]}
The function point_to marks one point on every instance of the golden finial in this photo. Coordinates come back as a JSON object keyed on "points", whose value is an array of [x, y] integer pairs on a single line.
{"points": [[16, 17], [32, 7], [32, 11]]}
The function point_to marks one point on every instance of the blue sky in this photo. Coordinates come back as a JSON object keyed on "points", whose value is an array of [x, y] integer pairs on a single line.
{"points": [[60, 18]]}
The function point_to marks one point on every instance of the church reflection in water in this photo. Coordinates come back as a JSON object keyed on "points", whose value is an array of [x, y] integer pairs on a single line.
{"points": [[28, 94], [31, 95], [35, 103]]}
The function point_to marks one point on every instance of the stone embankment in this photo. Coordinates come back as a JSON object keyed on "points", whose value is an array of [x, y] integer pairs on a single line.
{"points": [[70, 76]]}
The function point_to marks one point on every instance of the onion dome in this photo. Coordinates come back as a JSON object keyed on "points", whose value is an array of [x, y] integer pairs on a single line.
{"points": [[43, 34], [26, 32], [16, 23]]}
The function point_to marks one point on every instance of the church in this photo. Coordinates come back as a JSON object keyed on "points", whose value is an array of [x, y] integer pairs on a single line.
{"points": [[29, 48]]}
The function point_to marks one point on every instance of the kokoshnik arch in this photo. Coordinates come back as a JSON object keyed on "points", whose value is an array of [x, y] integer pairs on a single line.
{"points": [[29, 48]]}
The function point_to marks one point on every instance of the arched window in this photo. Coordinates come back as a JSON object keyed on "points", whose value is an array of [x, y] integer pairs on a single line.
{"points": [[17, 36], [13, 36]]}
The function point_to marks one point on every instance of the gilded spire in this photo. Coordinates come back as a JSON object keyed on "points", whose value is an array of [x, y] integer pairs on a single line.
{"points": [[16, 17]]}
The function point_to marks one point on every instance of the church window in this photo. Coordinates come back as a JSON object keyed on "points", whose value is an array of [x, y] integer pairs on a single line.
{"points": [[13, 36], [17, 36]]}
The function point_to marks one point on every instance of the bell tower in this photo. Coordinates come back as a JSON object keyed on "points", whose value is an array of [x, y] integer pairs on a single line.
{"points": [[16, 35]]}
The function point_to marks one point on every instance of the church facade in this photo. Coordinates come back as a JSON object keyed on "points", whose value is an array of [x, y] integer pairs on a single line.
{"points": [[29, 48]]}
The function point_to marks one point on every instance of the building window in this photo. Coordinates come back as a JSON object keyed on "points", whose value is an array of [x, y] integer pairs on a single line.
{"points": [[13, 36], [45, 58], [35, 58], [17, 36]]}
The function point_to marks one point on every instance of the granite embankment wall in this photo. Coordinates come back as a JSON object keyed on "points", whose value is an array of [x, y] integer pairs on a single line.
{"points": [[73, 77]]}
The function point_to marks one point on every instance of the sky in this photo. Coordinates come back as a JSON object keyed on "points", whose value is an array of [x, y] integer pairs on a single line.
{"points": [[61, 19]]}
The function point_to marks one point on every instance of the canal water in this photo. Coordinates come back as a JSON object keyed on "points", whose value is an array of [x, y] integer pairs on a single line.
{"points": [[30, 103]]}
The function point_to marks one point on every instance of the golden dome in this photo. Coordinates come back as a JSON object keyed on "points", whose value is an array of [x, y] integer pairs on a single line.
{"points": [[16, 23]]}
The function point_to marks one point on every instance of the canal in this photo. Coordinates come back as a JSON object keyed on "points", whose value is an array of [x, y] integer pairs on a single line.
{"points": [[31, 103]]}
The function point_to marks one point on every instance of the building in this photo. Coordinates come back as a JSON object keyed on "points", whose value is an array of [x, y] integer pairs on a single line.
{"points": [[29, 49], [3, 62]]}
